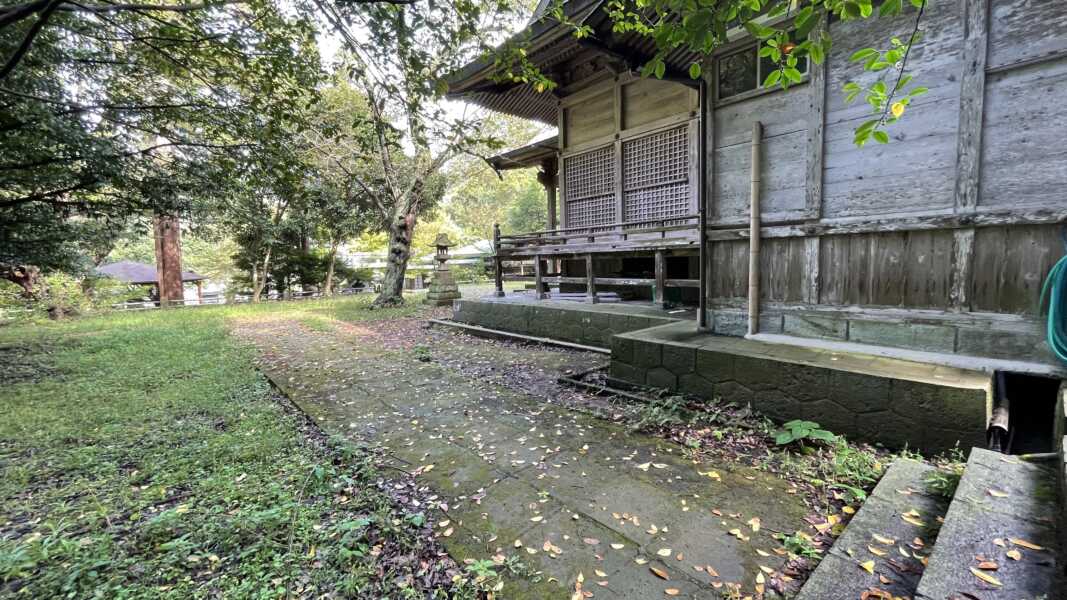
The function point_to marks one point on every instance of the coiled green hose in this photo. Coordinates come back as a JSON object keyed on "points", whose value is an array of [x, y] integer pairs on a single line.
{"points": [[1055, 291]]}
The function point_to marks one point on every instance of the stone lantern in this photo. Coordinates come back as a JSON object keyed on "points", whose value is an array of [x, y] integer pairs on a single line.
{"points": [[443, 288]]}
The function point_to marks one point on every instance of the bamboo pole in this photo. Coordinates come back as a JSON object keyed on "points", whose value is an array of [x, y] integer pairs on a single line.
{"points": [[754, 232]]}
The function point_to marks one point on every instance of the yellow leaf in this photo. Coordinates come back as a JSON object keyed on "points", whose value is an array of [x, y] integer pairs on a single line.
{"points": [[997, 493], [754, 522], [868, 566], [986, 577], [618, 546], [760, 578], [897, 108], [875, 551], [1025, 544], [762, 553], [447, 532], [1014, 554], [766, 569], [664, 552], [999, 542], [537, 519], [659, 573], [913, 520], [640, 560], [881, 539], [600, 573], [671, 591]]}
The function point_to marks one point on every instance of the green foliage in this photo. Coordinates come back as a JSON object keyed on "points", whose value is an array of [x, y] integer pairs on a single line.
{"points": [[945, 478], [113, 115], [661, 412], [801, 431], [800, 544]]}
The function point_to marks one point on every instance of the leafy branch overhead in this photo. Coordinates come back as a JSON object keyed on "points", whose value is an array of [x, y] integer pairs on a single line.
{"points": [[789, 32]]}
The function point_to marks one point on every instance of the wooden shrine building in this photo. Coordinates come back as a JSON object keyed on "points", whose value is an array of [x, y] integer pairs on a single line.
{"points": [[753, 204]]}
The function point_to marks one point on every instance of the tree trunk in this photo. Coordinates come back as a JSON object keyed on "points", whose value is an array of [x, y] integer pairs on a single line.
{"points": [[400, 233], [328, 285], [257, 286]]}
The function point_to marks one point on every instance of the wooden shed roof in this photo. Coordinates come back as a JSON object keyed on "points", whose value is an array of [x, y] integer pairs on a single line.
{"points": [[140, 273], [533, 154], [549, 46]]}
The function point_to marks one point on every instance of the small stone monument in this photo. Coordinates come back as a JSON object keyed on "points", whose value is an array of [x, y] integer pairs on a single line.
{"points": [[443, 288]]}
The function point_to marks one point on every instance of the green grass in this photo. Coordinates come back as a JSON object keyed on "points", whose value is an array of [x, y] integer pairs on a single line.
{"points": [[142, 456]]}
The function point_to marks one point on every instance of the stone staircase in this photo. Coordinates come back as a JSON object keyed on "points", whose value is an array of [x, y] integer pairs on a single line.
{"points": [[996, 539]]}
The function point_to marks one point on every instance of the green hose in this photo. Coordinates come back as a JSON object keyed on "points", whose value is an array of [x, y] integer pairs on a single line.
{"points": [[1055, 290]]}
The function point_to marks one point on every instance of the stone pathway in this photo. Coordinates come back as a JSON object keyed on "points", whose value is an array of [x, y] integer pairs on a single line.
{"points": [[566, 493]]}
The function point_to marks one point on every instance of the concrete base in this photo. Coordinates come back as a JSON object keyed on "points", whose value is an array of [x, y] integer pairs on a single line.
{"points": [[577, 322], [443, 290], [894, 401], [864, 396]]}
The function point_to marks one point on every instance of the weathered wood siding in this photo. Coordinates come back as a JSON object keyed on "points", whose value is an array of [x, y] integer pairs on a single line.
{"points": [[948, 231]]}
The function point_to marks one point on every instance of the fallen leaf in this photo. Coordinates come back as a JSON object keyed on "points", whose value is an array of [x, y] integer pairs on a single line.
{"points": [[600, 573], [618, 546], [1014, 554], [997, 493], [881, 539], [659, 573], [671, 591], [591, 541], [447, 532], [754, 523], [999, 542], [986, 577], [537, 519], [641, 560], [644, 466], [664, 552], [875, 551], [868, 566], [1025, 544], [711, 571], [988, 565]]}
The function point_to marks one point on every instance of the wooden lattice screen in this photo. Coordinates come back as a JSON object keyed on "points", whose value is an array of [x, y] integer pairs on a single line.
{"points": [[656, 175], [589, 185]]}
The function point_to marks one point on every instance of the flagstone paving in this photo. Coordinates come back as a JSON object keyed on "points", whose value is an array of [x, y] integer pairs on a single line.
{"points": [[517, 475]]}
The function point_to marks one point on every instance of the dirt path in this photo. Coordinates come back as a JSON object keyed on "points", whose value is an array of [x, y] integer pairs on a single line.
{"points": [[553, 494]]}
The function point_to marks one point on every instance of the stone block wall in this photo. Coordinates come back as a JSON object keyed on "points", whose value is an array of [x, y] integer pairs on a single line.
{"points": [[591, 325], [894, 412]]}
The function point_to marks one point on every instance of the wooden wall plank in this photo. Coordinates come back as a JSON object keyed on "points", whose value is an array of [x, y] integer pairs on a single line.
{"points": [[972, 98]]}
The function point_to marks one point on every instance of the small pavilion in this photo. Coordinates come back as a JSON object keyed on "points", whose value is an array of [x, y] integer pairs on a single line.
{"points": [[136, 273]]}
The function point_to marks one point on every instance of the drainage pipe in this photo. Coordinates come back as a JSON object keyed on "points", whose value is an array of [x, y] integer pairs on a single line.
{"points": [[702, 200], [754, 232]]}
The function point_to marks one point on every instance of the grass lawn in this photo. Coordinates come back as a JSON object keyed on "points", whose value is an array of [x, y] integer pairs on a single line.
{"points": [[143, 456]]}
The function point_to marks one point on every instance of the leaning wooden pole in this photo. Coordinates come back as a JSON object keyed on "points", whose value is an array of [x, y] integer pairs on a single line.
{"points": [[498, 274], [754, 232]]}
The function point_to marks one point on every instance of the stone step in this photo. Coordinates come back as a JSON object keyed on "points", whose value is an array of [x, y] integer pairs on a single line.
{"points": [[1003, 504], [893, 530]]}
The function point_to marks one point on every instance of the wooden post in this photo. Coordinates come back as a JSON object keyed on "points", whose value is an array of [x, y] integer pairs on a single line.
{"points": [[498, 275], [590, 280], [539, 284], [754, 232], [199, 291], [659, 290]]}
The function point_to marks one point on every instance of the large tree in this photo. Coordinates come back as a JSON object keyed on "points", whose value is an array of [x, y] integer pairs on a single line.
{"points": [[399, 57], [111, 112]]}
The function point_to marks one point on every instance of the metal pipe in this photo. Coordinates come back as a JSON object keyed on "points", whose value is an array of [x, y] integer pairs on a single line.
{"points": [[754, 232], [702, 200]]}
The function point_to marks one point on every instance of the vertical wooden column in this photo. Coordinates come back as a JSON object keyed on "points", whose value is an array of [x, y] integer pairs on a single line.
{"points": [[969, 145], [754, 231], [590, 280], [815, 169], [705, 147], [547, 179], [659, 292], [498, 275], [539, 278], [199, 291]]}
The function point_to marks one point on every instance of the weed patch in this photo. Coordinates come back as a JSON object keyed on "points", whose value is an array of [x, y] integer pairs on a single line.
{"points": [[162, 465]]}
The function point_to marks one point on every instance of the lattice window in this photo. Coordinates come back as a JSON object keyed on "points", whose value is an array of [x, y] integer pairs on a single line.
{"points": [[660, 202], [656, 176], [589, 185]]}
